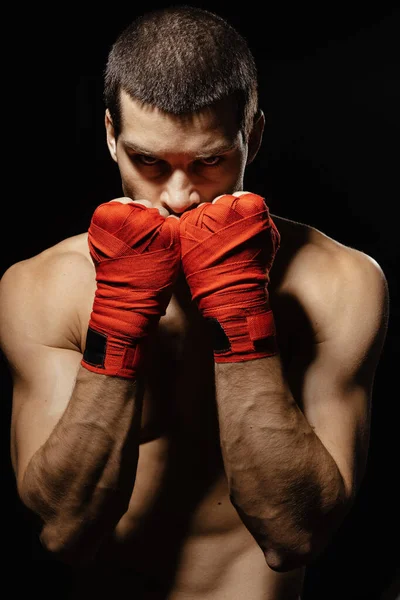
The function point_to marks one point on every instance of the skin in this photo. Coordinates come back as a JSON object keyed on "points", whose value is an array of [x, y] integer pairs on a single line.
{"points": [[215, 484]]}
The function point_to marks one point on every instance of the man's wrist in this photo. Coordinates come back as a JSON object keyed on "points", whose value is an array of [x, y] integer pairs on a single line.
{"points": [[109, 355], [240, 334]]}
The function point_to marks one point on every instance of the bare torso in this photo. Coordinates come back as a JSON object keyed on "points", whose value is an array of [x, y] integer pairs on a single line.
{"points": [[181, 538]]}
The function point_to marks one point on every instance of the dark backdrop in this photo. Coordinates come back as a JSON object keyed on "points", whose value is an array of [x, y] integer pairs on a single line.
{"points": [[329, 86]]}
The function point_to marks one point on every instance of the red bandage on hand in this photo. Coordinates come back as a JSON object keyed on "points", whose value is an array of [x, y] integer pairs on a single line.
{"points": [[228, 248], [136, 253]]}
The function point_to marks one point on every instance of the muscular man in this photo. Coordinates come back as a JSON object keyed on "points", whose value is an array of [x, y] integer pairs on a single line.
{"points": [[192, 377]]}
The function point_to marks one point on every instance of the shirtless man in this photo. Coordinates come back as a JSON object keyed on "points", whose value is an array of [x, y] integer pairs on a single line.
{"points": [[192, 377]]}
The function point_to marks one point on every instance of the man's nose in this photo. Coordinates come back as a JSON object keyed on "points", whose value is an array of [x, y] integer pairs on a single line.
{"points": [[179, 194]]}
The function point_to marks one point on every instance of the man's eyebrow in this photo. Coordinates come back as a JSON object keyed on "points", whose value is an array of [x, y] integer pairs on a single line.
{"points": [[215, 150], [136, 148], [212, 151]]}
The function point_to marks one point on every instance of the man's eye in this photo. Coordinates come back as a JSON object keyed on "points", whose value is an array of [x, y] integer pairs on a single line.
{"points": [[144, 159], [211, 161]]}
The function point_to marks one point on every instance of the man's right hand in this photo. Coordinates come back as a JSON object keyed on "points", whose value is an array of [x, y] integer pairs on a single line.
{"points": [[136, 253]]}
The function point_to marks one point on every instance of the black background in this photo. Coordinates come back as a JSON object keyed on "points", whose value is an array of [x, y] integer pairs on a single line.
{"points": [[329, 86]]}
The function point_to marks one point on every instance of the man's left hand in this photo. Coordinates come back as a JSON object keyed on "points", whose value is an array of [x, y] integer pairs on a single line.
{"points": [[228, 248]]}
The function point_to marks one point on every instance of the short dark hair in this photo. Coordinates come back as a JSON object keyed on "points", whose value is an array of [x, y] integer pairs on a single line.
{"points": [[182, 59]]}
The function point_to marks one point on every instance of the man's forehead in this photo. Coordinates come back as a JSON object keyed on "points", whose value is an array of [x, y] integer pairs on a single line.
{"points": [[220, 118], [146, 129]]}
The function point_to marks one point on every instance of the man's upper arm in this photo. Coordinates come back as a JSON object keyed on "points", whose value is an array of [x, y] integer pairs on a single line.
{"points": [[43, 364], [337, 390]]}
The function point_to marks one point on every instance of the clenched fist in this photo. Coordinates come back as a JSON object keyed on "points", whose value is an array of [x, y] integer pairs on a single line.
{"points": [[136, 253], [228, 248]]}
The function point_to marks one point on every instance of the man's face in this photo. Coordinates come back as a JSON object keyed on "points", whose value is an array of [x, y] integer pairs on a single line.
{"points": [[177, 162]]}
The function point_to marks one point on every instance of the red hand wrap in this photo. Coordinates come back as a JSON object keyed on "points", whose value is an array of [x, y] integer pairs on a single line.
{"points": [[227, 251], [136, 253]]}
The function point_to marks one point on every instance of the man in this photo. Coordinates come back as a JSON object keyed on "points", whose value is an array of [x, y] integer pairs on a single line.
{"points": [[192, 377]]}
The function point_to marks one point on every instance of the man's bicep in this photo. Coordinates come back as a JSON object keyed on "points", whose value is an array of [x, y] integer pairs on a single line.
{"points": [[338, 385], [43, 384]]}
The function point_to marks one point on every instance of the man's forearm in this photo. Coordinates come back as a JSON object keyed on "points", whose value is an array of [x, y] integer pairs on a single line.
{"points": [[80, 481], [282, 480]]}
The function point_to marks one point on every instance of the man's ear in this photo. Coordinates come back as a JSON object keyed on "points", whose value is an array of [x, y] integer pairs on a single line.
{"points": [[255, 136], [111, 141]]}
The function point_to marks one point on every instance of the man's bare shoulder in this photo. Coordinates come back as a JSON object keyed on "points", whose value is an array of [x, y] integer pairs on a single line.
{"points": [[309, 253], [46, 292], [50, 262], [328, 277], [66, 260]]}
